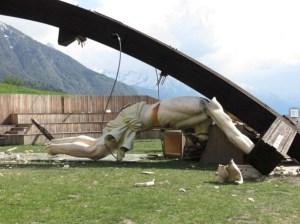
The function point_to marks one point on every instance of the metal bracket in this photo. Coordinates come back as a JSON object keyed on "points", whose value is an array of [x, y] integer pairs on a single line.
{"points": [[162, 78], [66, 37]]}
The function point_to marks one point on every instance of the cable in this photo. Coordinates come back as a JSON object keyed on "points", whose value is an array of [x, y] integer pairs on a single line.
{"points": [[117, 74], [158, 79], [157, 83], [116, 35]]}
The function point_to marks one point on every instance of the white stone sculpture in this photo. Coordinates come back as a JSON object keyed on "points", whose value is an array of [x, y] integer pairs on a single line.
{"points": [[229, 173], [176, 113]]}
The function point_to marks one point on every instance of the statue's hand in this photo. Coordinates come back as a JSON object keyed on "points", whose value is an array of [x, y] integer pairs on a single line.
{"points": [[120, 155]]}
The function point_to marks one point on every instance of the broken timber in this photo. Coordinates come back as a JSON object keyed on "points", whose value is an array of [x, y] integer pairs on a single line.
{"points": [[42, 129], [275, 146], [74, 22]]}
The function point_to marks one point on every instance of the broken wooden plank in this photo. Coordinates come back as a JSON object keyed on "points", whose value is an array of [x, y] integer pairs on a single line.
{"points": [[274, 146], [280, 135], [43, 130]]}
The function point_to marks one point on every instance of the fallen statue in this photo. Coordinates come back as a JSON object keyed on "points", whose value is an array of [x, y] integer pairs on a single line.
{"points": [[175, 113]]}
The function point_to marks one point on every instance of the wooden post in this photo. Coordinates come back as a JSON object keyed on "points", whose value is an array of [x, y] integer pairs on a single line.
{"points": [[274, 146]]}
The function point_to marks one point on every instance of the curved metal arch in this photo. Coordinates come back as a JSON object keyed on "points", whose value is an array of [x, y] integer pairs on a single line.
{"points": [[74, 21]]}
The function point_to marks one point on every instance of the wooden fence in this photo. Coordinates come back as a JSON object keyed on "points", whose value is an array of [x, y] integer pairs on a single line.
{"points": [[25, 104]]}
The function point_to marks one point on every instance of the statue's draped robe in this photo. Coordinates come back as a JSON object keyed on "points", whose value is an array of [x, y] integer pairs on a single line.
{"points": [[125, 126]]}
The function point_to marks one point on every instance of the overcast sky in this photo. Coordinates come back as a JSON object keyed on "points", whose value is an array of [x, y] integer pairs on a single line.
{"points": [[255, 43]]}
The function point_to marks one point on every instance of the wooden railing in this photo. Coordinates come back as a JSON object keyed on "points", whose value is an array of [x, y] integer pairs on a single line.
{"points": [[45, 104]]}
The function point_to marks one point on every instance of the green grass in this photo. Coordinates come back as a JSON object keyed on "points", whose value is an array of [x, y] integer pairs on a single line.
{"points": [[147, 146], [23, 148], [16, 89], [103, 192], [140, 146]]}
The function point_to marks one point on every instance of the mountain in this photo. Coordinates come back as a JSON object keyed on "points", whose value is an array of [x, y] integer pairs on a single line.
{"points": [[43, 67], [145, 84]]}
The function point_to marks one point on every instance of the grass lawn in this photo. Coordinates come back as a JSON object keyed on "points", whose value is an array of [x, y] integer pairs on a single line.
{"points": [[140, 146], [94, 192]]}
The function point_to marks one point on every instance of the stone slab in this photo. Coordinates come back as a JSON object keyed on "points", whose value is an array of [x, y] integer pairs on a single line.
{"points": [[27, 157]]}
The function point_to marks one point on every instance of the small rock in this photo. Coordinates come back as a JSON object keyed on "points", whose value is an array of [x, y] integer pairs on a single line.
{"points": [[66, 166], [148, 172], [128, 221], [182, 190], [18, 157], [164, 182], [251, 199], [11, 149], [145, 184], [216, 187], [95, 182], [73, 196]]}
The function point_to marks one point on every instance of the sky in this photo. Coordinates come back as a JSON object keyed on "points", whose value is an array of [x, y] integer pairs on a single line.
{"points": [[254, 43]]}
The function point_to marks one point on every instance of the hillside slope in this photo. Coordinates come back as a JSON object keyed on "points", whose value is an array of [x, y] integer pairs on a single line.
{"points": [[44, 67], [16, 89]]}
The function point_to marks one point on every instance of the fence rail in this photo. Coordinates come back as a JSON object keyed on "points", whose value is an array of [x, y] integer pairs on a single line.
{"points": [[33, 104]]}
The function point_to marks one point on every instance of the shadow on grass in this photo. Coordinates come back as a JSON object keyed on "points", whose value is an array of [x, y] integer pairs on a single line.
{"points": [[248, 180], [147, 164]]}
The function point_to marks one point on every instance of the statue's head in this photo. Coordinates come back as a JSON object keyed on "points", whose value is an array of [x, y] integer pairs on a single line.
{"points": [[229, 173]]}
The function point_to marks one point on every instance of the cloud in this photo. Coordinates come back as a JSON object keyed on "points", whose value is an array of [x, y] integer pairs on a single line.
{"points": [[232, 36], [251, 34], [174, 22], [38, 31]]}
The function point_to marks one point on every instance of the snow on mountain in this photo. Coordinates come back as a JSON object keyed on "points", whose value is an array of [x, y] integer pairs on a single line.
{"points": [[146, 84], [44, 67]]}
